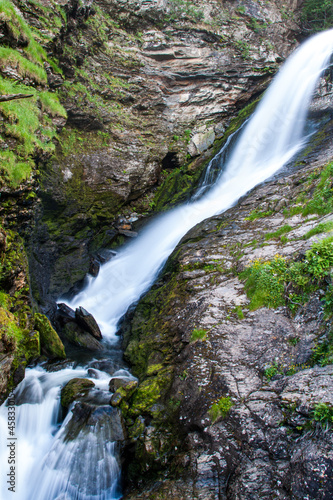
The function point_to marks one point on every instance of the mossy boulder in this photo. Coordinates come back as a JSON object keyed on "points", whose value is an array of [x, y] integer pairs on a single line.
{"points": [[74, 334], [18, 347], [124, 392], [51, 344], [74, 389]]}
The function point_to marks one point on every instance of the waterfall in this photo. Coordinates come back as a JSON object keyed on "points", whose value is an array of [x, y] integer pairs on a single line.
{"points": [[52, 466], [270, 139]]}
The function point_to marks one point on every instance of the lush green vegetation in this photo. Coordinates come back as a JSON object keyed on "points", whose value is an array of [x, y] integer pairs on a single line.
{"points": [[221, 408], [317, 15], [267, 282], [22, 65], [259, 214], [323, 413], [29, 126], [198, 334], [20, 30], [321, 201], [323, 352], [272, 370]]}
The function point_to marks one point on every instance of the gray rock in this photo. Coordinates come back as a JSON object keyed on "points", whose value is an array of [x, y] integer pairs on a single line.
{"points": [[77, 336], [87, 322]]}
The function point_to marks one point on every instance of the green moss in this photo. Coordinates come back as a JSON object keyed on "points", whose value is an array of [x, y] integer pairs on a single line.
{"points": [[240, 119], [154, 369], [49, 339], [175, 189], [221, 408], [198, 334], [149, 392], [10, 328], [75, 388], [323, 227], [323, 413], [277, 234]]}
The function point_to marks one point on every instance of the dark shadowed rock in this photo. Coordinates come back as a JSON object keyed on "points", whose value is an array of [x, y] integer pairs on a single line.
{"points": [[87, 322], [94, 267], [74, 334], [102, 420], [83, 121], [65, 313]]}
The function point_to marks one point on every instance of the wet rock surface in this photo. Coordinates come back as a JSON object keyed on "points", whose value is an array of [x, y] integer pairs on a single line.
{"points": [[141, 81], [238, 389], [78, 327]]}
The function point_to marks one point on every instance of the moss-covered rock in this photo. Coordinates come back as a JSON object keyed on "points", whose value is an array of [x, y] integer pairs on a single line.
{"points": [[51, 344], [75, 335], [19, 341], [74, 389]]}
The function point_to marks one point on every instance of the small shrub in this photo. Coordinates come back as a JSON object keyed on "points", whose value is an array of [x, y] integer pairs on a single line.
{"points": [[323, 351], [266, 282], [323, 413], [239, 312], [293, 340], [320, 257], [258, 214], [221, 408], [271, 371], [198, 334], [322, 199]]}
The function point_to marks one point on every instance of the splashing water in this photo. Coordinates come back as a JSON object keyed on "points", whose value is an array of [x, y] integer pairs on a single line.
{"points": [[270, 139], [49, 465]]}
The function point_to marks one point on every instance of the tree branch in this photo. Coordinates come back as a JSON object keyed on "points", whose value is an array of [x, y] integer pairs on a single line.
{"points": [[10, 97]]}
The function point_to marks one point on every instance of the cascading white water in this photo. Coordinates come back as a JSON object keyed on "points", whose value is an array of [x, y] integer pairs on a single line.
{"points": [[271, 138], [85, 468]]}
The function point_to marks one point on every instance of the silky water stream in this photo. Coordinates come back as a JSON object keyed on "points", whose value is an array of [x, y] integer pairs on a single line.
{"points": [[53, 462]]}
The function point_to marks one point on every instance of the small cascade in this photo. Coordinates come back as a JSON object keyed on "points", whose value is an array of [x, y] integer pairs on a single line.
{"points": [[61, 461]]}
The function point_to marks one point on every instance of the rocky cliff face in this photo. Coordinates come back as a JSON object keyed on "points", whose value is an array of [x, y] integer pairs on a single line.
{"points": [[235, 398], [147, 87]]}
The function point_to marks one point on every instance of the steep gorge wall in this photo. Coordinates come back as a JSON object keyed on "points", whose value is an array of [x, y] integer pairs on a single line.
{"points": [[233, 350], [147, 88], [125, 96]]}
